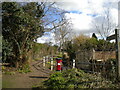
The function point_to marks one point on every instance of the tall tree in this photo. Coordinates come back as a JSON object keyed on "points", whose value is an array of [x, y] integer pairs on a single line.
{"points": [[21, 25]]}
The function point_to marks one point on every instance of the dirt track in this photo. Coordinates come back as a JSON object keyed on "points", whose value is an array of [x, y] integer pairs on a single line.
{"points": [[28, 80]]}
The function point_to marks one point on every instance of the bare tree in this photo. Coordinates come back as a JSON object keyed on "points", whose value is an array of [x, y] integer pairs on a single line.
{"points": [[51, 15], [104, 24], [62, 33]]}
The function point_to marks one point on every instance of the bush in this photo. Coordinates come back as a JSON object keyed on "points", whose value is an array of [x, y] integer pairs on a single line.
{"points": [[111, 69], [74, 78], [3, 68], [56, 81]]}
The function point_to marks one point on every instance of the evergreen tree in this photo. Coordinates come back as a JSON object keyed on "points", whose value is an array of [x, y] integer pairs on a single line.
{"points": [[94, 35], [21, 25]]}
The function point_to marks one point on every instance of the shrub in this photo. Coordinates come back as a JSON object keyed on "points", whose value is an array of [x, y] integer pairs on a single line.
{"points": [[111, 69], [74, 78], [56, 81], [3, 68]]}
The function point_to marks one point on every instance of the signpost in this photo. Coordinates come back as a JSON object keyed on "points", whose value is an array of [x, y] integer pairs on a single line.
{"points": [[116, 36], [111, 37]]}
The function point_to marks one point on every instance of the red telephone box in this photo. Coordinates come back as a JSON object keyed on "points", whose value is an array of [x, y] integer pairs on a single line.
{"points": [[59, 62]]}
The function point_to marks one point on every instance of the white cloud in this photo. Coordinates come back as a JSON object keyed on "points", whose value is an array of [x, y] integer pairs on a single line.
{"points": [[114, 14], [42, 39], [49, 37], [86, 6], [79, 21], [83, 22]]}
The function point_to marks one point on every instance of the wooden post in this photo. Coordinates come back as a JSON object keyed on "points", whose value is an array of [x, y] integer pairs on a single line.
{"points": [[73, 63], [43, 61], [117, 34], [51, 63]]}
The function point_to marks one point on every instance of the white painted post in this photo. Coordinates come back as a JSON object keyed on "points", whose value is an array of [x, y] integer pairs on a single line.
{"points": [[93, 58], [93, 53], [51, 63], [47, 58], [73, 63], [43, 61]]}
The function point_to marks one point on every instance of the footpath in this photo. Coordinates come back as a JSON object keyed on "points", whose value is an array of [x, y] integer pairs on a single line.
{"points": [[28, 80]]}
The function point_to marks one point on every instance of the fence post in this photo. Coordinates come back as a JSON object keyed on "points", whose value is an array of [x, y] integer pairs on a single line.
{"points": [[47, 58], [51, 63], [73, 63], [93, 53], [43, 61], [93, 62], [117, 32]]}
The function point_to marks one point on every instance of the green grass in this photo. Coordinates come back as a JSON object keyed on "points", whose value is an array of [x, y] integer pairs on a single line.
{"points": [[9, 72]]}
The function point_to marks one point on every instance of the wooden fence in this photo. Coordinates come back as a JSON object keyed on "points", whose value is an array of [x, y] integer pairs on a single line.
{"points": [[93, 60]]}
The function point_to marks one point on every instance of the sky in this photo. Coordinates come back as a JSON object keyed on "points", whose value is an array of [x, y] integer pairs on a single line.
{"points": [[84, 15]]}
